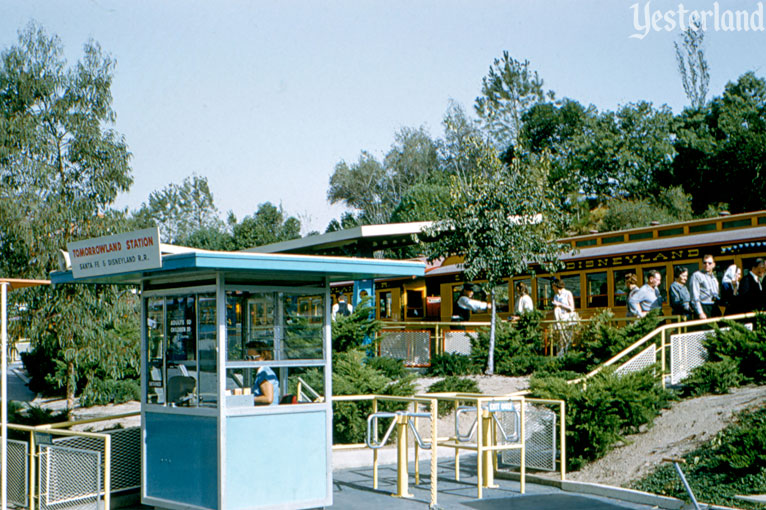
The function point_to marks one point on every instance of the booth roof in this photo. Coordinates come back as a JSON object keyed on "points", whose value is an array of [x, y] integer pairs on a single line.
{"points": [[275, 266]]}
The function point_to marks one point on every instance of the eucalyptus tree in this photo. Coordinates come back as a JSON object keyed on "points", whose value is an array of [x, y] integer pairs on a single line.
{"points": [[692, 65], [503, 219], [61, 167]]}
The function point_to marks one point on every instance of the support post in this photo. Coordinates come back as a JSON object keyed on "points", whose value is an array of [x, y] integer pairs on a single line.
{"points": [[402, 477], [375, 451], [488, 464], [4, 397], [434, 453]]}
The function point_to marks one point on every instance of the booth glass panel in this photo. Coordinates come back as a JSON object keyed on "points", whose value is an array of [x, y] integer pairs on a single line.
{"points": [[297, 385], [302, 318], [208, 385], [155, 358], [181, 353]]}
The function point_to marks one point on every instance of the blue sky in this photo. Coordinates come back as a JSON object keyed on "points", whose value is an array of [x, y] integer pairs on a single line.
{"points": [[264, 98]]}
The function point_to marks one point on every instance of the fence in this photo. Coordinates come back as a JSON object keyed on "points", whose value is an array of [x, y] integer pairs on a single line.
{"points": [[60, 469]]}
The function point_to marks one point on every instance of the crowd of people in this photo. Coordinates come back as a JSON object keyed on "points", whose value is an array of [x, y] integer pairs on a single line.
{"points": [[700, 296]]}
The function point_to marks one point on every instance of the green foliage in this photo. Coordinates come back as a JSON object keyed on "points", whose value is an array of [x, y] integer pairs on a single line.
{"points": [[600, 339], [180, 210], [734, 462], [598, 416], [692, 66], [269, 224], [374, 188], [392, 368], [715, 377], [518, 346], [349, 332], [742, 346], [452, 384], [108, 391], [509, 90], [352, 376], [452, 364]]}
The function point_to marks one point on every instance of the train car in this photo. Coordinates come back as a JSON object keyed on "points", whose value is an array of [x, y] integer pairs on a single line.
{"points": [[593, 271]]}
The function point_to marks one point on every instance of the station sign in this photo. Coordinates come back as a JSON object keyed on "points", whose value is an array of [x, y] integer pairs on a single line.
{"points": [[118, 253]]}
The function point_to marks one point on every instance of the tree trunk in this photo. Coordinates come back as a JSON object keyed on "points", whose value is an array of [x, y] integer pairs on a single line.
{"points": [[70, 389], [491, 357]]}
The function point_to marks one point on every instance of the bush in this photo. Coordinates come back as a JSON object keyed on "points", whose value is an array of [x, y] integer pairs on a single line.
{"points": [[392, 368], [734, 462], [351, 376], [715, 377], [351, 331], [108, 391], [598, 416], [746, 348], [452, 364], [452, 384], [518, 346]]}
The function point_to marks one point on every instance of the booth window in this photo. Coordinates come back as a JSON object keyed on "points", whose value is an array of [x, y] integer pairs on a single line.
{"points": [[289, 326], [181, 350]]}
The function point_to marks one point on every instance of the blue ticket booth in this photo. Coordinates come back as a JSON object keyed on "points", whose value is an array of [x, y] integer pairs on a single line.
{"points": [[205, 444]]}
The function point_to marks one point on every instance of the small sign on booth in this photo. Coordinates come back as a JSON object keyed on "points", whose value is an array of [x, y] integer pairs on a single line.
{"points": [[119, 253]]}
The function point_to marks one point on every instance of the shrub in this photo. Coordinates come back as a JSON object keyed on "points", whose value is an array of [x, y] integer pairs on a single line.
{"points": [[744, 347], [712, 377], [350, 332], [452, 384], [518, 346], [734, 462], [452, 364], [107, 391], [392, 368], [608, 407], [351, 376]]}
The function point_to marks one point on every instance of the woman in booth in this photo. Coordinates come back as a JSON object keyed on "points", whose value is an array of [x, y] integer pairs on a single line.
{"points": [[266, 384]]}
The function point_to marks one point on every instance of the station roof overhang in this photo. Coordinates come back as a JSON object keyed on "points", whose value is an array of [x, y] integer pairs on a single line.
{"points": [[256, 267], [362, 240]]}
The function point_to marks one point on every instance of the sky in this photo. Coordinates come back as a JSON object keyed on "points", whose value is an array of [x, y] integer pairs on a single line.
{"points": [[265, 98]]}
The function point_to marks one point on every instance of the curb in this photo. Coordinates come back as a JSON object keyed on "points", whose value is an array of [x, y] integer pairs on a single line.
{"points": [[595, 489]]}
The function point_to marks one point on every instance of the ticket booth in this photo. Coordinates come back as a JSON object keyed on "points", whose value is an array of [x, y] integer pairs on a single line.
{"points": [[205, 444]]}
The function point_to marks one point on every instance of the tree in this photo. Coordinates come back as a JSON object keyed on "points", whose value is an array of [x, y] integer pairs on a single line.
{"points": [[692, 66], [509, 90], [269, 224], [722, 149], [181, 210], [60, 164], [501, 220], [61, 167], [373, 188]]}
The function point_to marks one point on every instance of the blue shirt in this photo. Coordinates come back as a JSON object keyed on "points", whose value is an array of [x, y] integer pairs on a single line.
{"points": [[266, 374], [645, 298]]}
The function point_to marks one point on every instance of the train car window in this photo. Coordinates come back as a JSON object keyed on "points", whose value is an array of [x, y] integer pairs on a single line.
{"points": [[669, 232], [385, 305], [706, 227], [572, 283], [544, 292], [598, 290], [613, 239], [501, 298], [620, 289], [415, 305]]}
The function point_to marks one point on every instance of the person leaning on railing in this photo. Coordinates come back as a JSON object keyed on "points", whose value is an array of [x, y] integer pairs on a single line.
{"points": [[648, 297], [465, 304]]}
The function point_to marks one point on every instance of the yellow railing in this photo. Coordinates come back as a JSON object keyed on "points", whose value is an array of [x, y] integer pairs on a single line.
{"points": [[57, 429], [486, 446], [662, 331]]}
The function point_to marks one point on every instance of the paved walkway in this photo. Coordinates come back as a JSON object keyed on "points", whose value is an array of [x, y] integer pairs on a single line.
{"points": [[353, 490]]}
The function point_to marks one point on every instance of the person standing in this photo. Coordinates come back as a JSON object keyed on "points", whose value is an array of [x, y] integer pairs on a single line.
{"points": [[465, 304], [705, 291], [680, 300], [648, 297], [631, 283], [563, 301], [752, 295], [730, 289], [342, 307], [524, 302]]}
